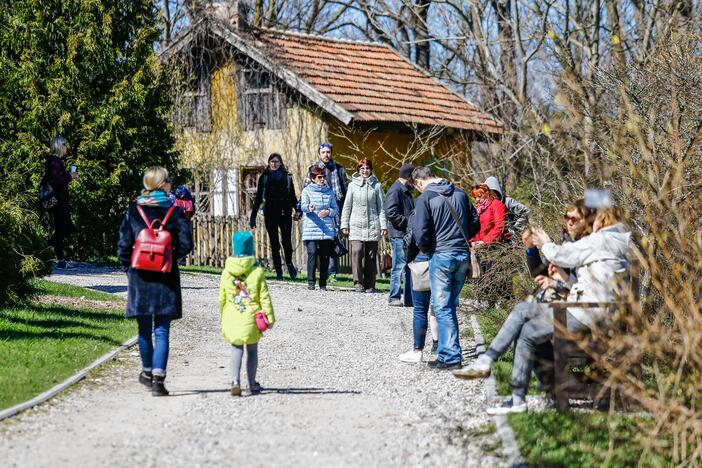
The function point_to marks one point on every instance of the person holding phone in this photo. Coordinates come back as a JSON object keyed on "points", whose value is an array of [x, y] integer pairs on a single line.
{"points": [[320, 209], [55, 173]]}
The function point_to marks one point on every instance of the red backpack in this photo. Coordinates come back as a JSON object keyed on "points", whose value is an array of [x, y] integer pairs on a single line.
{"points": [[153, 248]]}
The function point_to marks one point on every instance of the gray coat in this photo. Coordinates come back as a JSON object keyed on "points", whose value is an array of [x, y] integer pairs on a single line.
{"points": [[363, 214]]}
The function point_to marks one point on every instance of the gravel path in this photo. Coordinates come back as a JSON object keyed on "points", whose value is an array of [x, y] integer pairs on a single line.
{"points": [[335, 395]]}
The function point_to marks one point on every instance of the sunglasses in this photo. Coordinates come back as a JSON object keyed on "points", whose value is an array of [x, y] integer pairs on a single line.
{"points": [[572, 219], [320, 177]]}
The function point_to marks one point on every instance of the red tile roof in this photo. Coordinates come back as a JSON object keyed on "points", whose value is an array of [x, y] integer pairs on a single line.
{"points": [[372, 81]]}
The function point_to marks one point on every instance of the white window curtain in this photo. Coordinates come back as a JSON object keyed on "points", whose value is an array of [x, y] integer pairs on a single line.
{"points": [[225, 192]]}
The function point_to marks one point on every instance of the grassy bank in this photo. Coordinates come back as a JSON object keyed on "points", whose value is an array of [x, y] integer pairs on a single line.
{"points": [[60, 331]]}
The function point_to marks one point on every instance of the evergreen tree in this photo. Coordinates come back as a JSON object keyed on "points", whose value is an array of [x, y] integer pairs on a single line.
{"points": [[84, 69]]}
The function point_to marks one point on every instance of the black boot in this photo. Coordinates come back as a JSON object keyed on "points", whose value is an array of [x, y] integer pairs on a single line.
{"points": [[157, 388], [292, 271], [145, 378]]}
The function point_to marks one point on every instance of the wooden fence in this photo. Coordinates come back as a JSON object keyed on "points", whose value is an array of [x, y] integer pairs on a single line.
{"points": [[212, 239]]}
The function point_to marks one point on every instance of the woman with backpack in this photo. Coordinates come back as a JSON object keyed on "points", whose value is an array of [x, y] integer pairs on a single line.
{"points": [[275, 187], [150, 259]]}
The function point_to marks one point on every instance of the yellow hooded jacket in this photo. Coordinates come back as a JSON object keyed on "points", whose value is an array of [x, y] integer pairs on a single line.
{"points": [[238, 306]]}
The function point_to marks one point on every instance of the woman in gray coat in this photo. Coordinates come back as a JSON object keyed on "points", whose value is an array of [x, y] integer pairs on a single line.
{"points": [[363, 221]]}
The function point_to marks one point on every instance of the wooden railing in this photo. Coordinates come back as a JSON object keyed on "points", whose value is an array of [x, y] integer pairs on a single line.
{"points": [[212, 242]]}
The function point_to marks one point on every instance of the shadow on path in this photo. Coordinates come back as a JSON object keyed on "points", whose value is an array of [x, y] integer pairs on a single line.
{"points": [[282, 391]]}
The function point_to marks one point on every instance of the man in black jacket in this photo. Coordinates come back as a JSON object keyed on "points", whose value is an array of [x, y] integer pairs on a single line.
{"points": [[398, 207], [443, 223]]}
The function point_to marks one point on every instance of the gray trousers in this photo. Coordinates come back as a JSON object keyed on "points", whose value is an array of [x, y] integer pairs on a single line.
{"points": [[531, 324], [363, 256], [251, 362]]}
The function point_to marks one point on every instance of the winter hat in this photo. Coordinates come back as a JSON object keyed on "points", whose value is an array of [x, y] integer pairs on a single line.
{"points": [[243, 244], [406, 171]]}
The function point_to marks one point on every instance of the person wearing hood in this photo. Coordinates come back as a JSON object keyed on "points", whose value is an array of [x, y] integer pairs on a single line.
{"points": [[276, 189], [243, 292], [363, 222], [517, 213], [318, 204], [599, 259], [154, 298], [337, 180], [442, 225]]}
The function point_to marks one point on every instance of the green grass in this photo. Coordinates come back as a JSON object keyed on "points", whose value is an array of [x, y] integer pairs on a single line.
{"points": [[381, 284], [44, 287], [552, 439], [41, 345]]}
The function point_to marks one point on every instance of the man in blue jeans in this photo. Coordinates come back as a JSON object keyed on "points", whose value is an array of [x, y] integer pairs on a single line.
{"points": [[398, 207], [443, 223]]}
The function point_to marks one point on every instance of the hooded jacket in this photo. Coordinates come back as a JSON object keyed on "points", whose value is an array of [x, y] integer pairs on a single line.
{"points": [[433, 226], [398, 207], [598, 259], [314, 227], [517, 213], [238, 306], [363, 214], [492, 223]]}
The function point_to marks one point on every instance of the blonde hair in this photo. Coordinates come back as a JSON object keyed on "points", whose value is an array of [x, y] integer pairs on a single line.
{"points": [[155, 177], [607, 216]]}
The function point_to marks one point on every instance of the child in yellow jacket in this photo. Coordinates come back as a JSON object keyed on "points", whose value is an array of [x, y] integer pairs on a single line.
{"points": [[242, 293]]}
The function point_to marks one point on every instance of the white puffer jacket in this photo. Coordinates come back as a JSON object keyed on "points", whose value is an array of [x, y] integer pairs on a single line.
{"points": [[598, 259]]}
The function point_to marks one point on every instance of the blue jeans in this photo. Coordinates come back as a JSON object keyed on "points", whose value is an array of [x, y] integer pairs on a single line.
{"points": [[399, 273], [447, 273], [154, 359], [420, 314]]}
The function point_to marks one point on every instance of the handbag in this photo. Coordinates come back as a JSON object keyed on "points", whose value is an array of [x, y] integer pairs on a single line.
{"points": [[338, 247], [385, 258], [420, 275], [47, 195], [153, 248], [475, 265], [262, 322]]}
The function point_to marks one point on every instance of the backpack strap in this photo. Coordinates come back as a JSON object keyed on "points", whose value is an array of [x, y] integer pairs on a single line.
{"points": [[150, 224]]}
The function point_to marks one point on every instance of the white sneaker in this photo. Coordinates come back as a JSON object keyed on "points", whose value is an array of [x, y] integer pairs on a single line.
{"points": [[479, 369], [412, 356], [507, 408]]}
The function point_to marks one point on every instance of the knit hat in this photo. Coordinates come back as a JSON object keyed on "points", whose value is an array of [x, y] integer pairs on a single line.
{"points": [[406, 171], [243, 244]]}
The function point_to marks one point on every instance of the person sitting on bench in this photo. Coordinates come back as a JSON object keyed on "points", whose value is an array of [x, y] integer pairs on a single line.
{"points": [[598, 259]]}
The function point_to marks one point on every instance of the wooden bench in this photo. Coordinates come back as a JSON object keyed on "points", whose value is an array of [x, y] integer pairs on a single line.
{"points": [[573, 352]]}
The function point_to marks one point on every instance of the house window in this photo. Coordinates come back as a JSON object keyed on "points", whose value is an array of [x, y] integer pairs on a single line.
{"points": [[261, 104], [249, 184], [224, 194]]}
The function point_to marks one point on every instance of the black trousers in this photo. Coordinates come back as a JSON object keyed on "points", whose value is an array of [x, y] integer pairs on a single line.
{"points": [[318, 249], [282, 222], [62, 228]]}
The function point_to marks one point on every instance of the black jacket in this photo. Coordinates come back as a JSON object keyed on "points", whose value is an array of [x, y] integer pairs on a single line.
{"points": [[433, 226], [279, 195], [398, 207], [153, 293], [55, 173]]}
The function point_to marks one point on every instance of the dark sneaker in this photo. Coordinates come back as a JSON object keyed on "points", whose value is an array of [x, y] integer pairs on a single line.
{"points": [[434, 345], [322, 288], [157, 387], [441, 365], [145, 378], [395, 303], [64, 265], [310, 286], [292, 271], [255, 388], [359, 288], [236, 389], [279, 277]]}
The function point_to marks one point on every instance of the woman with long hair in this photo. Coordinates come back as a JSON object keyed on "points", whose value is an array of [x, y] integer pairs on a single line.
{"points": [[276, 190]]}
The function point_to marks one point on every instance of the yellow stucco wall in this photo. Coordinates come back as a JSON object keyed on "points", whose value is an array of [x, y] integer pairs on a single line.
{"points": [[227, 145]]}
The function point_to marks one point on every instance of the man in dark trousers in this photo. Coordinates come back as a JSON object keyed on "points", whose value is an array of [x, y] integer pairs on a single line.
{"points": [[444, 220], [55, 173], [339, 183], [398, 207]]}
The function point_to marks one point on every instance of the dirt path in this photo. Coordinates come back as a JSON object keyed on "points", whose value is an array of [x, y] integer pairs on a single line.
{"points": [[335, 395]]}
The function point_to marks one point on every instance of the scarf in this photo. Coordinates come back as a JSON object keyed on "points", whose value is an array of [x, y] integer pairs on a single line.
{"points": [[276, 175], [483, 205], [155, 198]]}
